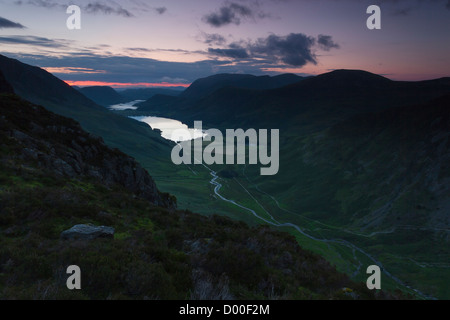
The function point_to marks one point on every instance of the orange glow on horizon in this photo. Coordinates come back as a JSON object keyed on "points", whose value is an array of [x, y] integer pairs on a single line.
{"points": [[126, 85]]}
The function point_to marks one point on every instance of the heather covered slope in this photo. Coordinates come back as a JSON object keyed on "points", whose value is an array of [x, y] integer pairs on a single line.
{"points": [[51, 178]]}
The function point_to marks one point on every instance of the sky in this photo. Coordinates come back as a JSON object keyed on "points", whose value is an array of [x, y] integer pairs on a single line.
{"points": [[170, 43]]}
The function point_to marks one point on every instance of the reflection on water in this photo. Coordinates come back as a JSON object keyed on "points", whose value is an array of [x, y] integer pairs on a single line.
{"points": [[171, 129]]}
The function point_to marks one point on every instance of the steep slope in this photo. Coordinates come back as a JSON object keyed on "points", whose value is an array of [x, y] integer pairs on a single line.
{"points": [[132, 137], [102, 95], [405, 154], [378, 180], [53, 176], [36, 84], [206, 86], [60, 145]]}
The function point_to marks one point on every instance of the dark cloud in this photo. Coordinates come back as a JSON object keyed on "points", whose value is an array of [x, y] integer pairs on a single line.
{"points": [[139, 49], [35, 41], [237, 53], [40, 3], [125, 69], [5, 23], [98, 7], [174, 80], [402, 12], [129, 69], [295, 49], [326, 42], [231, 13], [161, 10], [92, 7], [214, 38]]}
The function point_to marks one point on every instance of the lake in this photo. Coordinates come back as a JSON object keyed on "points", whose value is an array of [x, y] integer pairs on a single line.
{"points": [[169, 127]]}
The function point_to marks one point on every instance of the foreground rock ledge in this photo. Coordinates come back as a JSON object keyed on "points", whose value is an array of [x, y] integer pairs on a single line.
{"points": [[87, 232]]}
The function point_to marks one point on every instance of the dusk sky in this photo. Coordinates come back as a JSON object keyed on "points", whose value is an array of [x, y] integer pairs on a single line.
{"points": [[173, 42]]}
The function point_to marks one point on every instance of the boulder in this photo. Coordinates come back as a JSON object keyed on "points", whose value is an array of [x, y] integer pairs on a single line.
{"points": [[87, 232]]}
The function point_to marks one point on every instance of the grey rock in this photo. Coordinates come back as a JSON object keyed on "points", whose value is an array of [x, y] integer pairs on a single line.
{"points": [[36, 129], [30, 153], [63, 167], [87, 232], [19, 135], [77, 147]]}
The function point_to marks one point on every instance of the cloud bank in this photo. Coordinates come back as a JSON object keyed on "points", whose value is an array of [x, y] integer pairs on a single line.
{"points": [[232, 13], [95, 7], [294, 49]]}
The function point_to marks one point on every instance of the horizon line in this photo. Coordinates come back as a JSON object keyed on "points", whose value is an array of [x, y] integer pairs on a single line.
{"points": [[120, 85]]}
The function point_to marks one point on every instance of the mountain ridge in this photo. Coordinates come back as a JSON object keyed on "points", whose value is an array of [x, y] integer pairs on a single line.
{"points": [[102, 95], [205, 86], [329, 97]]}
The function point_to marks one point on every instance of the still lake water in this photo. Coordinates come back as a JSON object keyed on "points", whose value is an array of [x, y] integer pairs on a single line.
{"points": [[171, 129]]}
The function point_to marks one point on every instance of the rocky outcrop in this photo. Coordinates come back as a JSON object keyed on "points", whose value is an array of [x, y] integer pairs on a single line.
{"points": [[60, 145], [87, 232]]}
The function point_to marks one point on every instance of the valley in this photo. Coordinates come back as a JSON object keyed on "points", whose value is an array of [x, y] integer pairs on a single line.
{"points": [[225, 150], [350, 241], [361, 180], [334, 242]]}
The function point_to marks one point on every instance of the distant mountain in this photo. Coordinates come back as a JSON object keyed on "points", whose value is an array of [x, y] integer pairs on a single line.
{"points": [[345, 78], [206, 86], [102, 95], [310, 104], [107, 96], [156, 104], [147, 93], [346, 84], [221, 88]]}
